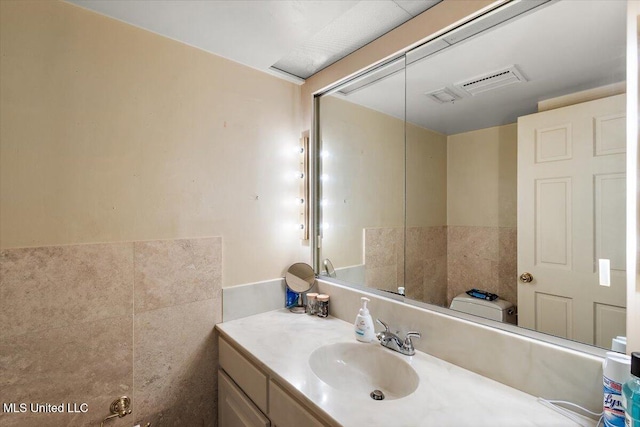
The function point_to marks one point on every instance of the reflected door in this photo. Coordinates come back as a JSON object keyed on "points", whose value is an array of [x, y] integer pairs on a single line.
{"points": [[571, 213]]}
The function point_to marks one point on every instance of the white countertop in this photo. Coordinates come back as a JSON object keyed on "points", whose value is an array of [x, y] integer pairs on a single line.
{"points": [[447, 395]]}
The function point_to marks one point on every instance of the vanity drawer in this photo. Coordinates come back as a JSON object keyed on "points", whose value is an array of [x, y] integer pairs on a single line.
{"points": [[249, 378], [285, 411], [235, 409]]}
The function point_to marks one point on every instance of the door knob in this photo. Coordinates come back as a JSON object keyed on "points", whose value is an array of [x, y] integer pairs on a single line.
{"points": [[526, 277]]}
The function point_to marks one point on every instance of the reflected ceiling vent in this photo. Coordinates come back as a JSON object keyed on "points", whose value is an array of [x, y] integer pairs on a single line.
{"points": [[442, 96], [491, 81]]}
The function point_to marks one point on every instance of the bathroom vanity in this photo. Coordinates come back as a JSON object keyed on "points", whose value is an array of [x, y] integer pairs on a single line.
{"points": [[271, 366]]}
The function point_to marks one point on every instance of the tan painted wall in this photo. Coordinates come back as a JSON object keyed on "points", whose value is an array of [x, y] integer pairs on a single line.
{"points": [[482, 177], [426, 177], [112, 133], [364, 168]]}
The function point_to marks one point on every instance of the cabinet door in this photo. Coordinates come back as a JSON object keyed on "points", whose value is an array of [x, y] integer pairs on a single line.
{"points": [[251, 380], [234, 408], [284, 411]]}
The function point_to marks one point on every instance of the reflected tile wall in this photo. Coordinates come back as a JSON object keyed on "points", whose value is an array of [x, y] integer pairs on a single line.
{"points": [[443, 261], [426, 266], [384, 257], [483, 258], [69, 329]]}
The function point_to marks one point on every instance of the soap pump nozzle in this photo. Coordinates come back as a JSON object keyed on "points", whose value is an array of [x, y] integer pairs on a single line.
{"points": [[364, 311]]}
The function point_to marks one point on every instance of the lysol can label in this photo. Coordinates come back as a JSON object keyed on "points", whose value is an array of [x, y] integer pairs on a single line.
{"points": [[613, 410]]}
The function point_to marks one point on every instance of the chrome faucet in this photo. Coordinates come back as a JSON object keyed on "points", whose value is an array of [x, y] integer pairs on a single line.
{"points": [[390, 340]]}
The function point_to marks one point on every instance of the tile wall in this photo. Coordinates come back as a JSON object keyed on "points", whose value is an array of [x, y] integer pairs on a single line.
{"points": [[426, 267], [483, 258], [90, 323], [443, 261], [384, 257]]}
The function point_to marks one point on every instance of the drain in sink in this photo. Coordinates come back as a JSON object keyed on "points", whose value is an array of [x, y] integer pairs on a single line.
{"points": [[377, 395]]}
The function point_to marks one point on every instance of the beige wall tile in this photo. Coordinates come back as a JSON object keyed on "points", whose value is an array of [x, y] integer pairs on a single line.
{"points": [[483, 258], [384, 257], [51, 287], [71, 321], [465, 273], [89, 362], [400, 256], [435, 281], [176, 363], [382, 278], [414, 283], [435, 241], [480, 242], [426, 264], [173, 272], [508, 264]]}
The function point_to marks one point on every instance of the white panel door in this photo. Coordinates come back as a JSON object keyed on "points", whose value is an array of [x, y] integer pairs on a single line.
{"points": [[571, 212]]}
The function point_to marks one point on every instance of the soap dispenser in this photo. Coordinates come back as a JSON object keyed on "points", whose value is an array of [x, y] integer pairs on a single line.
{"points": [[364, 324]]}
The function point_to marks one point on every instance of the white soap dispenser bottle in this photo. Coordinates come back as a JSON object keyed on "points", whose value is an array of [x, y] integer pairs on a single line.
{"points": [[364, 324]]}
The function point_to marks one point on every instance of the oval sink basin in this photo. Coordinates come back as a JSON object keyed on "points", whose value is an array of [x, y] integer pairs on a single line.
{"points": [[362, 368]]}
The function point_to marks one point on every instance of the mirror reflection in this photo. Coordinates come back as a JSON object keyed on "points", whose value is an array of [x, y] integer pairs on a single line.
{"points": [[490, 159]]}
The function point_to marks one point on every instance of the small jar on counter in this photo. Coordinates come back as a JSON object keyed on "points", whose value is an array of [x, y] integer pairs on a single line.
{"points": [[312, 303], [322, 305]]}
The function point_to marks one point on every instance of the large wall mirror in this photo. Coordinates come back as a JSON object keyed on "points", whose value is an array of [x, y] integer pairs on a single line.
{"points": [[490, 158]]}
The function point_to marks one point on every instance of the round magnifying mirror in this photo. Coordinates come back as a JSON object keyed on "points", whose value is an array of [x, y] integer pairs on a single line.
{"points": [[300, 277]]}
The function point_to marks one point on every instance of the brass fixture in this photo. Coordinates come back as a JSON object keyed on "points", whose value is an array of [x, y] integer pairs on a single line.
{"points": [[526, 277], [119, 408]]}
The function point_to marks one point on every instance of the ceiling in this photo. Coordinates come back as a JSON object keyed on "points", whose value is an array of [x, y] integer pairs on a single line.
{"points": [[561, 47], [289, 38]]}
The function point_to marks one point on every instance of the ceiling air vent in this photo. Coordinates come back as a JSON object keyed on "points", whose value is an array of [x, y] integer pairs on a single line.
{"points": [[495, 80], [442, 96]]}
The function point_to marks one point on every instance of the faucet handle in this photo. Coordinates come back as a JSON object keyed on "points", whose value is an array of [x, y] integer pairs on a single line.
{"points": [[408, 344], [386, 327], [410, 335]]}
